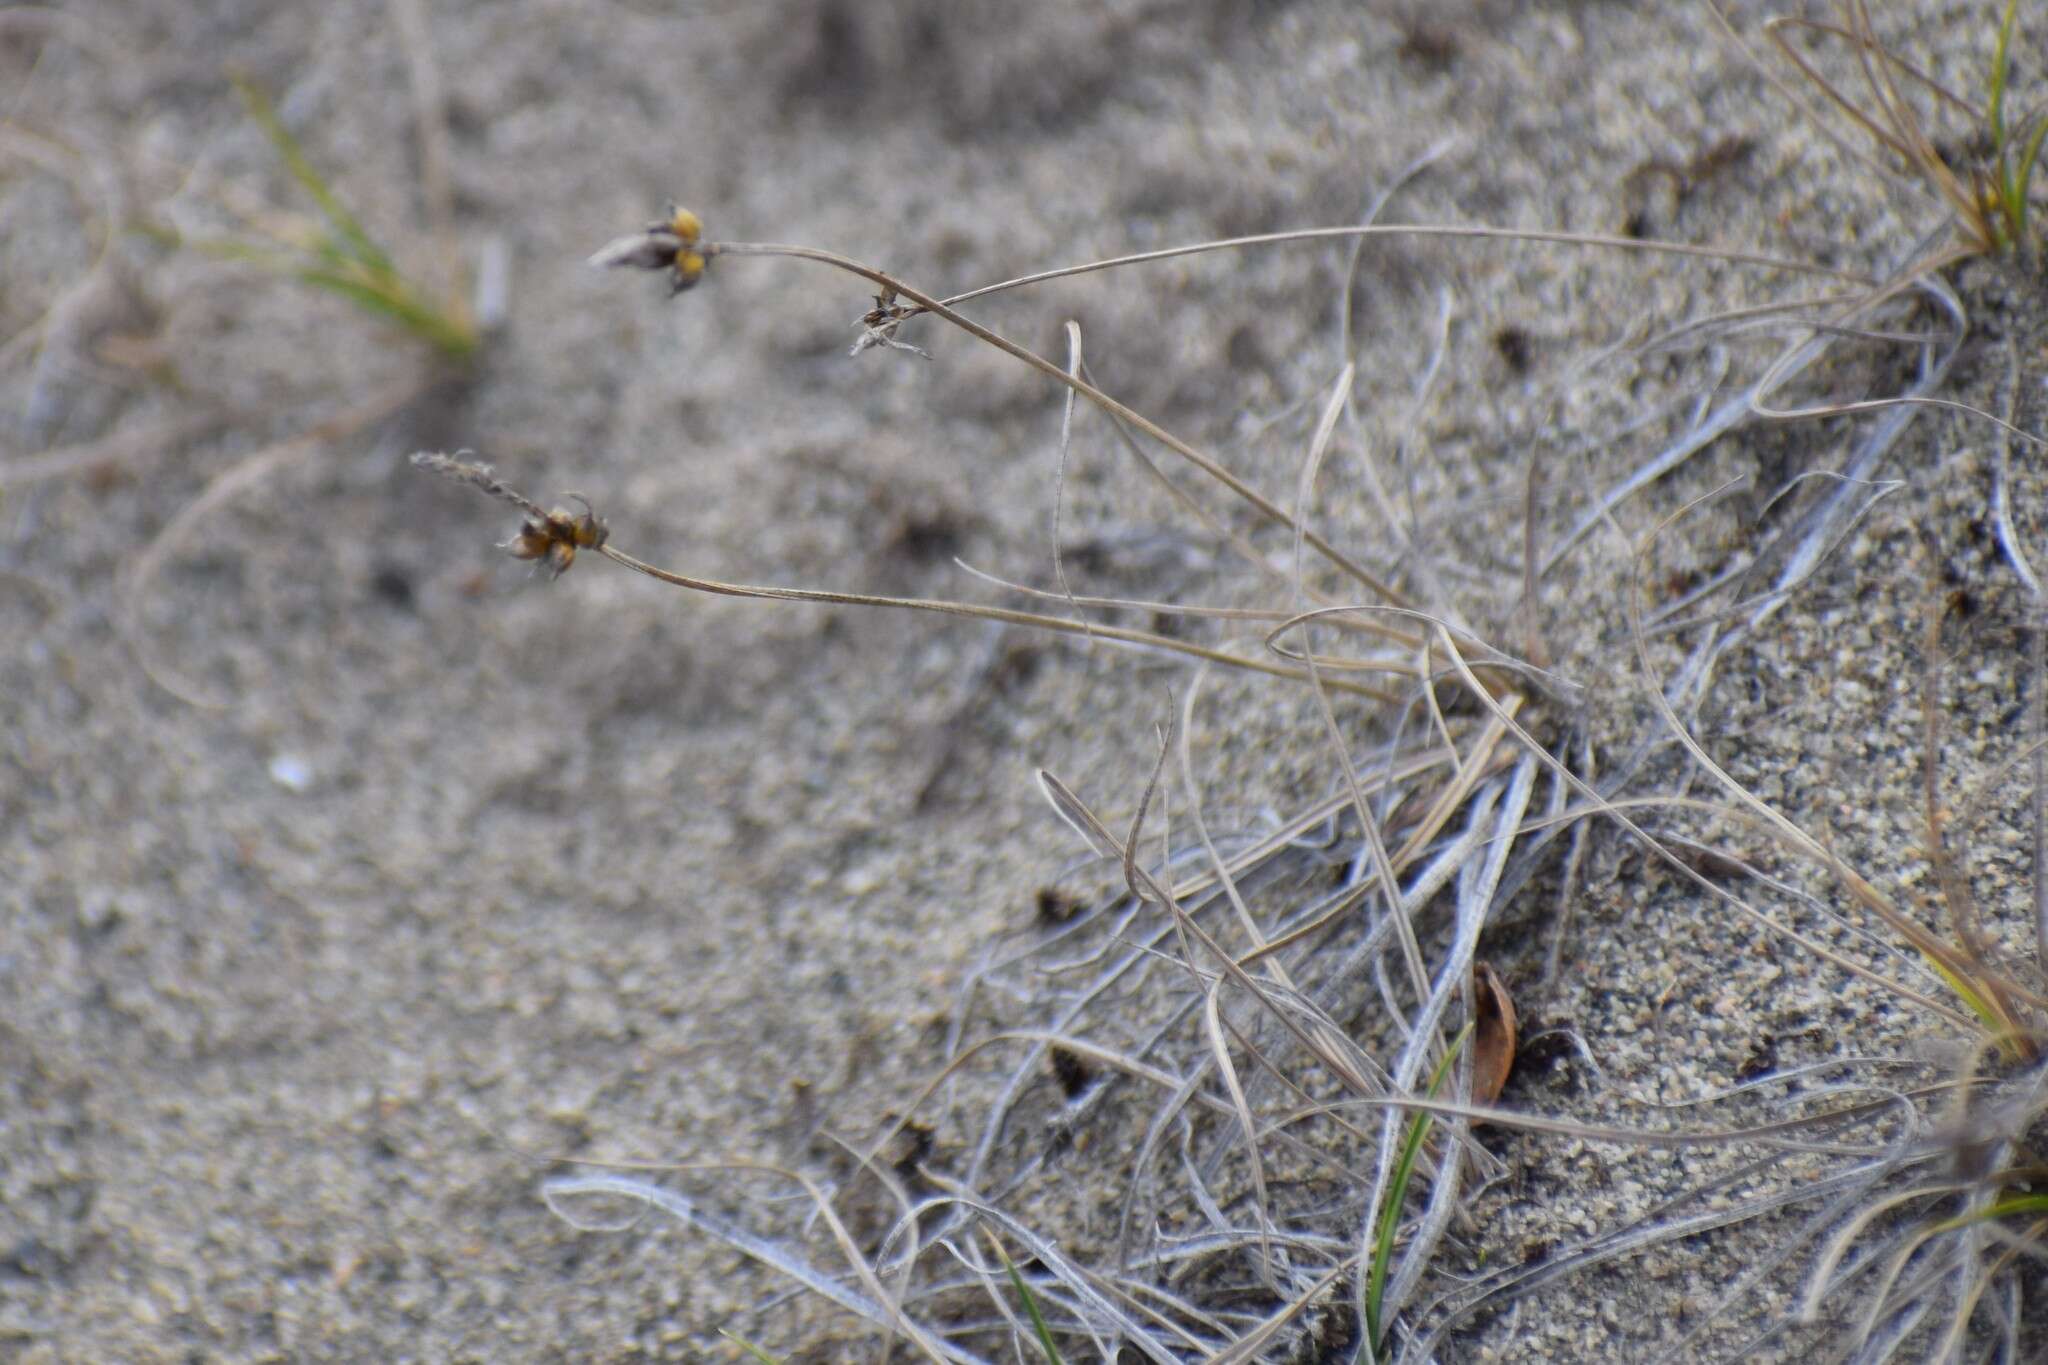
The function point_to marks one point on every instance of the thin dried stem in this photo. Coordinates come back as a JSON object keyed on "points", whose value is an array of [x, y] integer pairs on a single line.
{"points": [[893, 287]]}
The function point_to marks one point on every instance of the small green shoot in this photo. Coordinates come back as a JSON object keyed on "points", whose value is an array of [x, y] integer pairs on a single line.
{"points": [[1998, 1023], [339, 257], [2010, 178], [2000, 1208], [749, 1347], [1045, 1342], [1397, 1194]]}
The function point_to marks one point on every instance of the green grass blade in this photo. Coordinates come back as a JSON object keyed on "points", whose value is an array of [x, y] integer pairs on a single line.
{"points": [[359, 243], [1995, 1024], [2003, 1208], [1045, 1344], [2023, 177], [2001, 65], [270, 260], [1397, 1194], [384, 294], [392, 299], [335, 252], [749, 1347]]}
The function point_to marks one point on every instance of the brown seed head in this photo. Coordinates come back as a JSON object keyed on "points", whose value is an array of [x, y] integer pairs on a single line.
{"points": [[672, 244], [557, 536]]}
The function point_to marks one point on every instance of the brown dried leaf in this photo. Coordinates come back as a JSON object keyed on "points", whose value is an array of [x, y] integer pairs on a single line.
{"points": [[1493, 1035]]}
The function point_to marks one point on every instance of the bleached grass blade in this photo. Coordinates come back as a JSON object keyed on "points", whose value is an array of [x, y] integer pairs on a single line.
{"points": [[871, 1304]]}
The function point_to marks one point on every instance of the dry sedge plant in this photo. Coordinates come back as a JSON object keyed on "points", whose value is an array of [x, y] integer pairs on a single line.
{"points": [[1260, 1037], [1275, 1044]]}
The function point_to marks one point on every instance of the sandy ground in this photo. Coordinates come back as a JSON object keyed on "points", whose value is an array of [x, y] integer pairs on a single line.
{"points": [[300, 993]]}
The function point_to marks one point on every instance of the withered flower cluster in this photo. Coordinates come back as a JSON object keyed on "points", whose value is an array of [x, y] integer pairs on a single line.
{"points": [[675, 244], [550, 537]]}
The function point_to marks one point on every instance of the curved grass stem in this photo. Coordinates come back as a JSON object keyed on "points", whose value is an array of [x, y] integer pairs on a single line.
{"points": [[1040, 620]]}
